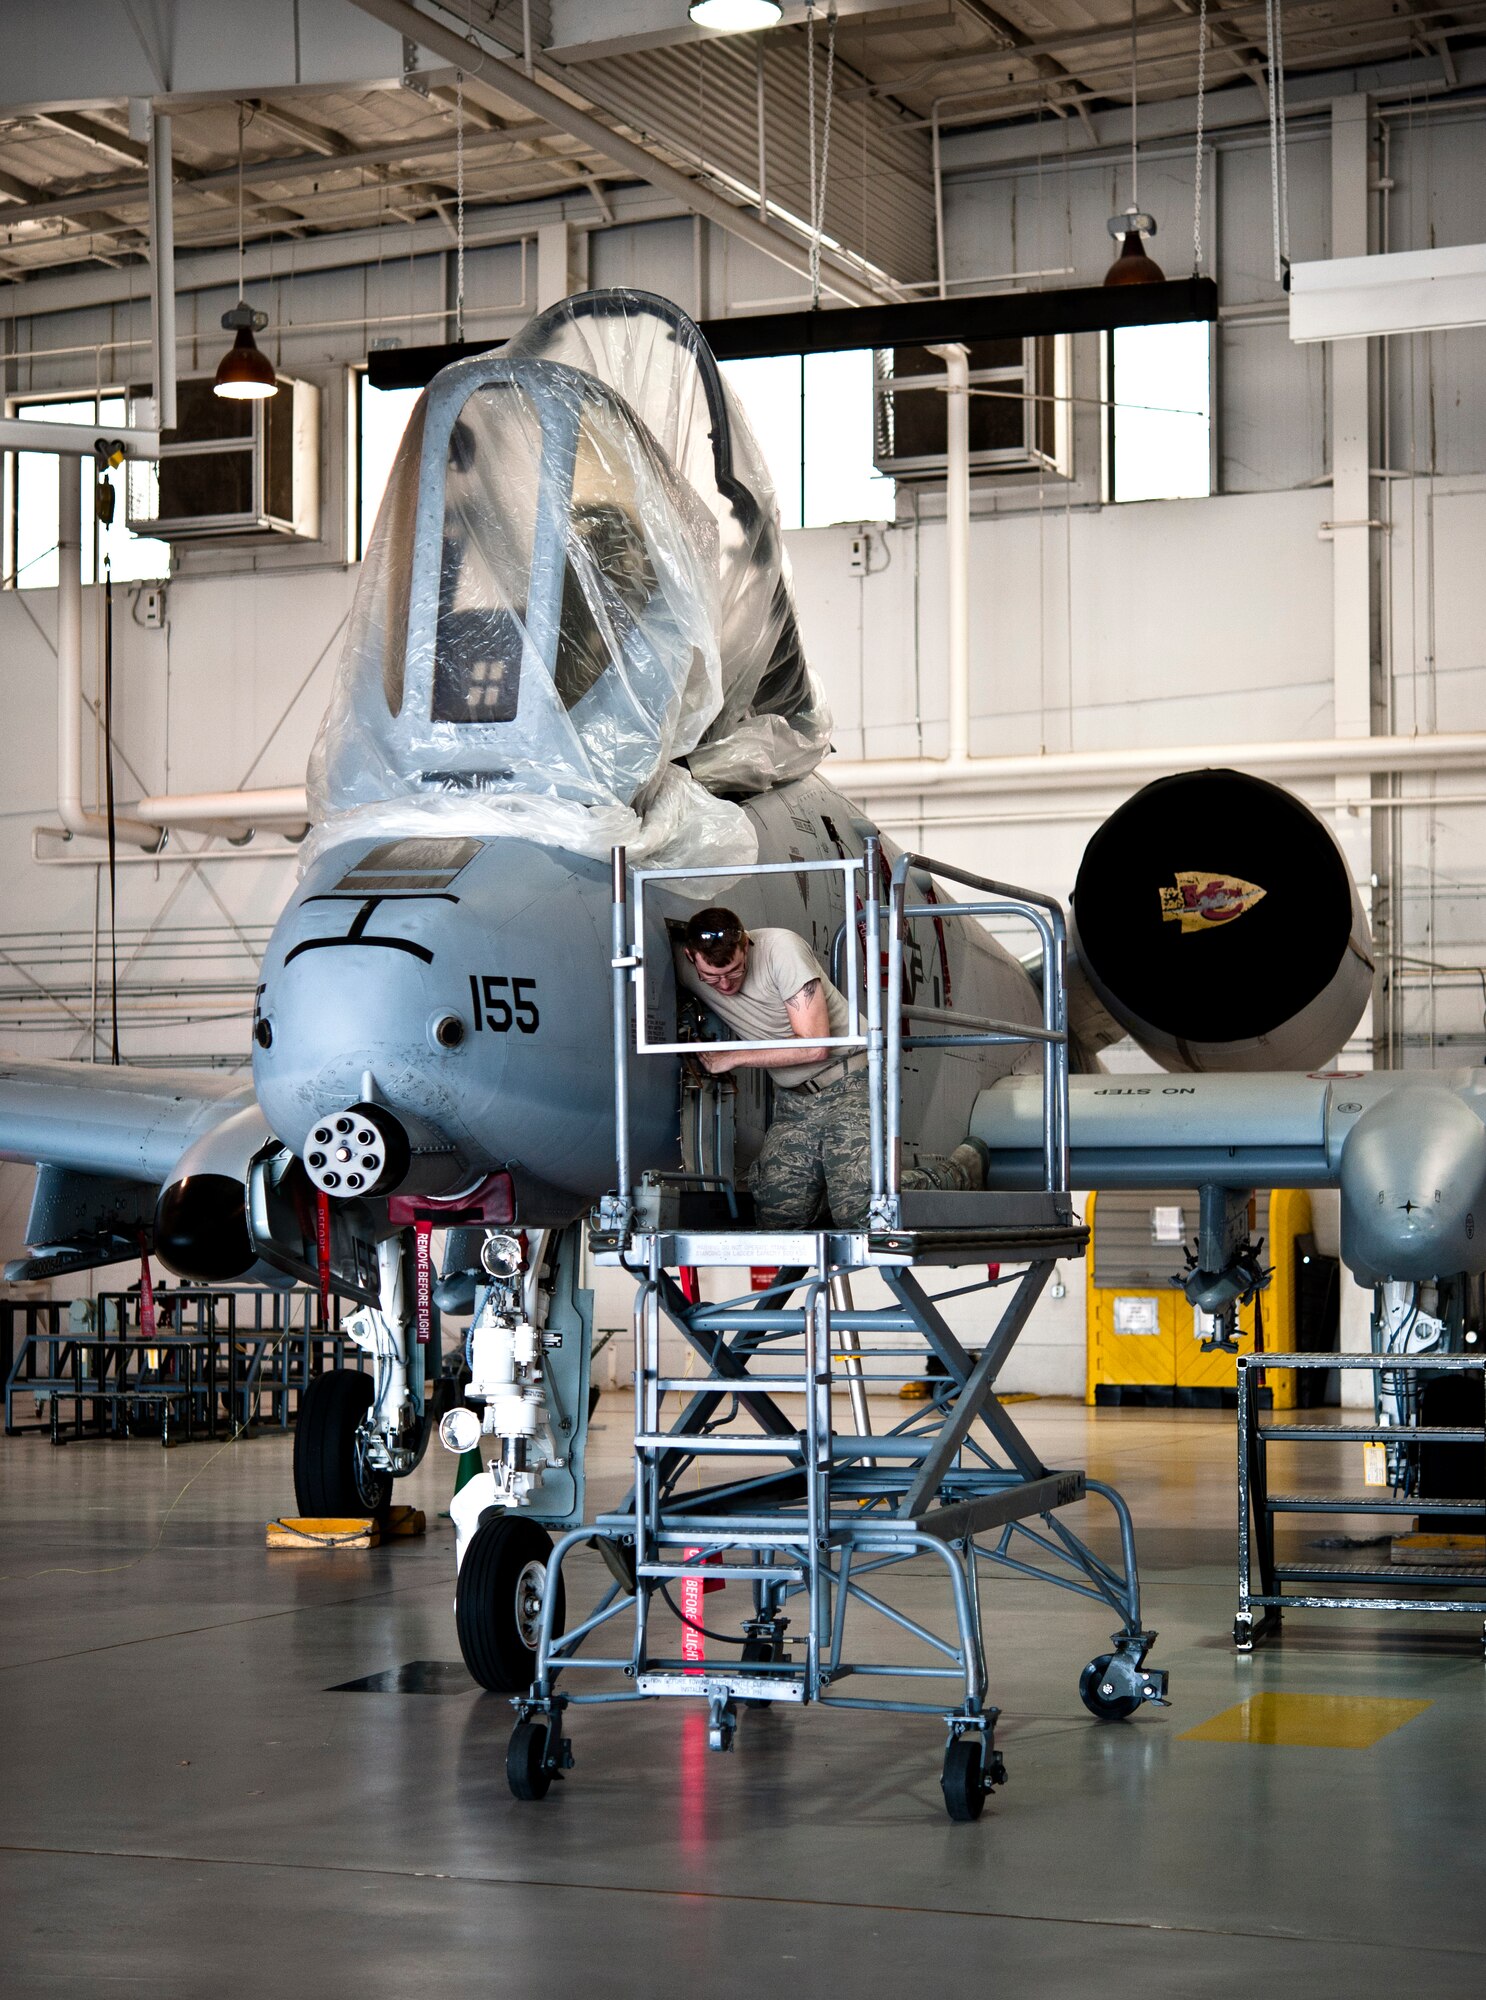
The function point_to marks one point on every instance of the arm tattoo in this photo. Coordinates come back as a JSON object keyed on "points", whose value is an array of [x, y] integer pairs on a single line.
{"points": [[806, 994]]}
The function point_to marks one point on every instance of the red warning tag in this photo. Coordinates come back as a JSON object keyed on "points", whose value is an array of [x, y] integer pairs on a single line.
{"points": [[322, 1251], [146, 1296], [423, 1279]]}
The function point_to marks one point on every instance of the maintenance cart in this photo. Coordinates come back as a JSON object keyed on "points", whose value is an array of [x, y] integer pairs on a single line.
{"points": [[808, 1516]]}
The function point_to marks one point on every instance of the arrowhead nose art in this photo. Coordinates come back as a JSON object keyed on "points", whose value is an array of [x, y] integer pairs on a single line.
{"points": [[1202, 899]]}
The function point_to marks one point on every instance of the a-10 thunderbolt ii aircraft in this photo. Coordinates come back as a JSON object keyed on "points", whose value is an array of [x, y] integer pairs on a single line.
{"points": [[574, 629]]}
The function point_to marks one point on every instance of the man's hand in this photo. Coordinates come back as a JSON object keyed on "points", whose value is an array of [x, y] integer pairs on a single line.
{"points": [[717, 1061]]}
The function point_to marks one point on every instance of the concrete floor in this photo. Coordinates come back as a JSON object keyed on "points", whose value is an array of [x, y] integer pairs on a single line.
{"points": [[187, 1809]]}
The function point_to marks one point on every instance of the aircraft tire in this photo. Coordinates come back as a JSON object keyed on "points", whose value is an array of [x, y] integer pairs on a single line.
{"points": [[497, 1602], [330, 1478]]}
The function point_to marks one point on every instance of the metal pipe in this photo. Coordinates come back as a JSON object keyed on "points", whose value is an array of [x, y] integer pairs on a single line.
{"points": [[851, 278], [73, 440], [1075, 770], [74, 815], [619, 960], [892, 1082], [162, 273], [232, 812], [763, 146], [938, 198], [851, 1360], [956, 359], [872, 895]]}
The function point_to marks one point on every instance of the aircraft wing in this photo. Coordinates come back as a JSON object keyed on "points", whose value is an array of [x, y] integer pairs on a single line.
{"points": [[103, 1142], [127, 1124]]}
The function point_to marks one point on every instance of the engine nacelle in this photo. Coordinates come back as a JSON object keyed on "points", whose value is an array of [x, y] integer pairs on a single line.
{"points": [[1216, 921], [201, 1217]]}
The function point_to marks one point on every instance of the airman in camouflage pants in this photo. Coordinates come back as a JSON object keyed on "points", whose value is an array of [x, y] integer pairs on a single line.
{"points": [[817, 1160]]}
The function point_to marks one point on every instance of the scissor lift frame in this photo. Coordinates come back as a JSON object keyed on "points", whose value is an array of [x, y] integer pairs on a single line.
{"points": [[955, 1480]]}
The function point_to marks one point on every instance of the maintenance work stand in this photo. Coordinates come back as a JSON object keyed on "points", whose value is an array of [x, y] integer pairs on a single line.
{"points": [[731, 1484]]}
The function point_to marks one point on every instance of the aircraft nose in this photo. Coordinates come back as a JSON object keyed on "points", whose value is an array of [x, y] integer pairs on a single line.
{"points": [[466, 1030], [1413, 1189]]}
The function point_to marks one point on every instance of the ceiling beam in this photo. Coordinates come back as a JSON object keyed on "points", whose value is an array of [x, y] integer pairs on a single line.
{"points": [[477, 108], [100, 136], [35, 203], [102, 221], [334, 145], [850, 277]]}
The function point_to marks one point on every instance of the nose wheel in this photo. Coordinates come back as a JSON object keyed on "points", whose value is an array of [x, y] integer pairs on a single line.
{"points": [[499, 1600]]}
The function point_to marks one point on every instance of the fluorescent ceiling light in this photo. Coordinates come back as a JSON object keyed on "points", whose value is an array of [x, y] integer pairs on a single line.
{"points": [[1406, 291], [734, 17]]}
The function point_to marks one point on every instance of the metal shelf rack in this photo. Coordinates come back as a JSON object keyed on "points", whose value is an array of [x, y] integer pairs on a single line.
{"points": [[1260, 1611]]}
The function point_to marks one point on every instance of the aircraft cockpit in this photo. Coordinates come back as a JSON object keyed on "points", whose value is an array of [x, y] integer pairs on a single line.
{"points": [[576, 587]]}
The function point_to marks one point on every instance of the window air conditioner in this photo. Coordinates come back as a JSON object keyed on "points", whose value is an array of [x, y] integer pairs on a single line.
{"points": [[1018, 418], [239, 471]]}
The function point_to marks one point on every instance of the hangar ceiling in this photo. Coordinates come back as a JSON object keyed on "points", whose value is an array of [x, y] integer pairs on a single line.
{"points": [[375, 153]]}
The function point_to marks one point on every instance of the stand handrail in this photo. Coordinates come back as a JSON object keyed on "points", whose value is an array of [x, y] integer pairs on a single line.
{"points": [[882, 1035]]}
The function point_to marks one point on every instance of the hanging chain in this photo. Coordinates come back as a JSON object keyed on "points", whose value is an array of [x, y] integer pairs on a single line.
{"points": [[459, 205], [810, 104], [241, 120], [1279, 33], [1197, 174], [825, 154], [1274, 140], [1134, 109]]}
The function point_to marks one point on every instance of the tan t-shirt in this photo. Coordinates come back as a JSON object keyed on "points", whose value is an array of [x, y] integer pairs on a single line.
{"points": [[779, 964]]}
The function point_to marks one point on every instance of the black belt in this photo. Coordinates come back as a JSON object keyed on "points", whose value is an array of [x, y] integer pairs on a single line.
{"points": [[834, 1073]]}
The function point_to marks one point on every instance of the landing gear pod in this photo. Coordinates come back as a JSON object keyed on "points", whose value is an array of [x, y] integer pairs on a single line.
{"points": [[1216, 920]]}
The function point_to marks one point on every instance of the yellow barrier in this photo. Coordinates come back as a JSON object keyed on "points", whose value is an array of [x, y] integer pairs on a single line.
{"points": [[1142, 1333]]}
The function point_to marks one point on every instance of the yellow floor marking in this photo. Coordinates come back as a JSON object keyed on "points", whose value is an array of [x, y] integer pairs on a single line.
{"points": [[1308, 1721]]}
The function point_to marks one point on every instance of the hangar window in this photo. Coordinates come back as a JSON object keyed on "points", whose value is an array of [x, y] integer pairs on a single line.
{"points": [[32, 497], [812, 416], [1158, 418], [381, 418], [1019, 408]]}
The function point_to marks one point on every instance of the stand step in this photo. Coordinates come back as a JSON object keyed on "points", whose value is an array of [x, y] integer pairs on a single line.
{"points": [[1371, 1433], [1361, 1503]]}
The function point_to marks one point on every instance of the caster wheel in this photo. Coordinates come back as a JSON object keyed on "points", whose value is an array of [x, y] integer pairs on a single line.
{"points": [[722, 1727], [331, 1475], [963, 1779], [498, 1602], [527, 1770], [1107, 1707]]}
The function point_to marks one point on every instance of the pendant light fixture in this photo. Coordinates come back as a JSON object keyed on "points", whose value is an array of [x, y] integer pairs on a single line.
{"points": [[244, 374], [1133, 266], [734, 17]]}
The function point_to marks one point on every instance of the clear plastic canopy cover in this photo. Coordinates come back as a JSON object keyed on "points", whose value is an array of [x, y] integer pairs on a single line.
{"points": [[576, 581]]}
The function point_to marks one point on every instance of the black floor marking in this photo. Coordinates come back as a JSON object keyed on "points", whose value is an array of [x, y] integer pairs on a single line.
{"points": [[415, 1677]]}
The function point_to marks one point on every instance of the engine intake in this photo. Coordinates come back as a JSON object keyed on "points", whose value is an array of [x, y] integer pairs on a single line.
{"points": [[1215, 919]]}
